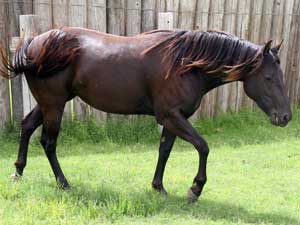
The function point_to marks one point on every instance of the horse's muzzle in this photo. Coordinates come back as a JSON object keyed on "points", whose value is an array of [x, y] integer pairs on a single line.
{"points": [[281, 120]]}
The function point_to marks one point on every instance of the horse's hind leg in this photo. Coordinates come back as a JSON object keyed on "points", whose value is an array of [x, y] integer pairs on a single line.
{"points": [[29, 124], [51, 126], [166, 143]]}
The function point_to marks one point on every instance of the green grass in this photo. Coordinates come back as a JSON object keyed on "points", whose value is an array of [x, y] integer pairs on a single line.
{"points": [[253, 175]]}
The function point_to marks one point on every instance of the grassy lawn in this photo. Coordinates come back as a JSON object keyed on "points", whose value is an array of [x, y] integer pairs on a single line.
{"points": [[253, 175]]}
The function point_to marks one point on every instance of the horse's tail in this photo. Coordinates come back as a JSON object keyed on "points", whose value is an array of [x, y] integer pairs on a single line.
{"points": [[54, 55]]}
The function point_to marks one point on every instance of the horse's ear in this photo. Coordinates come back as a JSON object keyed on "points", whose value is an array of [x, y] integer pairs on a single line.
{"points": [[276, 48], [267, 47]]}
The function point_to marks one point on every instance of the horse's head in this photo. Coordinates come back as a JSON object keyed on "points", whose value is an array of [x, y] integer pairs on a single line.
{"points": [[266, 87]]}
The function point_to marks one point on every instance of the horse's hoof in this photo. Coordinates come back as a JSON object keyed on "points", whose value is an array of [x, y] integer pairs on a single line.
{"points": [[63, 184], [66, 187], [160, 190], [191, 197], [15, 177]]}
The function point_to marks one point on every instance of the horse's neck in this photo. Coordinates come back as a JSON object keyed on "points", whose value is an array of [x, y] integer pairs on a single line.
{"points": [[211, 82]]}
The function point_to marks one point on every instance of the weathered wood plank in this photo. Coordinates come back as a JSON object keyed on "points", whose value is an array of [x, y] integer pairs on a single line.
{"points": [[4, 84], [96, 15], [165, 20], [60, 10], [43, 9], [187, 13], [161, 6], [148, 15], [116, 17], [133, 17], [293, 54], [173, 6], [287, 20]]}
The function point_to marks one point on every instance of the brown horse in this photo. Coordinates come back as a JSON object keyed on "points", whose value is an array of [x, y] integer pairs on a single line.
{"points": [[160, 73]]}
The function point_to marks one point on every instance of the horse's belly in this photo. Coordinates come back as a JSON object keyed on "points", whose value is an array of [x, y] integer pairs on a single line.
{"points": [[108, 98], [112, 79]]}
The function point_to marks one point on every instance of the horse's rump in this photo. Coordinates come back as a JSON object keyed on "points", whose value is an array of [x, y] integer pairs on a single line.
{"points": [[54, 54]]}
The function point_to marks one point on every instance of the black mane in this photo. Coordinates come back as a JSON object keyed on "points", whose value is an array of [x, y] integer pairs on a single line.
{"points": [[214, 52]]}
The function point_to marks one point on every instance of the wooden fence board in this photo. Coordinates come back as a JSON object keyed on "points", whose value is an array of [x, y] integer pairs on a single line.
{"points": [[174, 7], [96, 15], [4, 84], [287, 18], [133, 17], [187, 13], [292, 54], [60, 13], [116, 17], [148, 15], [43, 9]]}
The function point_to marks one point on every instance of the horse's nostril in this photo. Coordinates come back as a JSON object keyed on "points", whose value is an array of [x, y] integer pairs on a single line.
{"points": [[285, 118]]}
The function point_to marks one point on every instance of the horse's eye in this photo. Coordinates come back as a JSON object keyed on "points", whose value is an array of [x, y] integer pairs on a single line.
{"points": [[268, 78]]}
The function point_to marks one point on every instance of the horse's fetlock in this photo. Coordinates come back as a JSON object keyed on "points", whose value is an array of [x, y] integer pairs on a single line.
{"points": [[157, 184], [199, 181], [20, 165]]}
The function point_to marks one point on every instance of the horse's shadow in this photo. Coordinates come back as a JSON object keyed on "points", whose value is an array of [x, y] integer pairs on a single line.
{"points": [[153, 203]]}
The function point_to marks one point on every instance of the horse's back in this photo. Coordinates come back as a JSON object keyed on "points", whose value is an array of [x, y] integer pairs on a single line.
{"points": [[110, 72]]}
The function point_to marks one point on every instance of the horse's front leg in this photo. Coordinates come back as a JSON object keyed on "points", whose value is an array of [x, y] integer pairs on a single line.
{"points": [[166, 143], [29, 124], [176, 123]]}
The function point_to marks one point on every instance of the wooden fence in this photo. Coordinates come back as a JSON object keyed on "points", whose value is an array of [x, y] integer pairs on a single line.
{"points": [[256, 20]]}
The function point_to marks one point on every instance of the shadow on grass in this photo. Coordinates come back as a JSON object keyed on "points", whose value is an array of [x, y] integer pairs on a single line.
{"points": [[149, 203]]}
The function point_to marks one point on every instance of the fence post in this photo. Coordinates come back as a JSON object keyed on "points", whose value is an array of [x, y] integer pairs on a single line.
{"points": [[4, 84], [28, 28], [166, 20], [16, 86]]}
